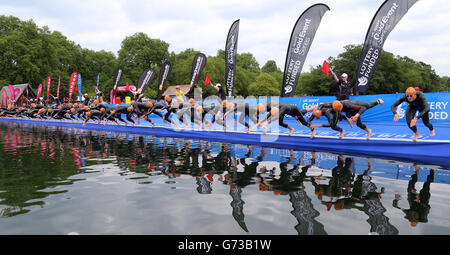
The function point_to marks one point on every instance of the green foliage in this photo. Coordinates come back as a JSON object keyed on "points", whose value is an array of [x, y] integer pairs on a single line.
{"points": [[264, 86]]}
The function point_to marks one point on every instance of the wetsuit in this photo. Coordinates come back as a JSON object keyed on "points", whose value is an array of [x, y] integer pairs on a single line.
{"points": [[246, 111], [292, 110], [332, 116], [419, 104], [353, 107]]}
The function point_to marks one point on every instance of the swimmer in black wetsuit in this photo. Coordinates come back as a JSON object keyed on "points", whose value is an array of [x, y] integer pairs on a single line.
{"points": [[416, 102], [287, 109], [326, 109], [355, 108]]}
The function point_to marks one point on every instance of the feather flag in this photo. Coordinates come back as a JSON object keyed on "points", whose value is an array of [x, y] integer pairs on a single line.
{"points": [[384, 21], [72, 81], [49, 80], [59, 83], [300, 42], [79, 87]]}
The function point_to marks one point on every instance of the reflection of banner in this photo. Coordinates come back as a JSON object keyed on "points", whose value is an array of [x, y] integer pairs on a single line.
{"points": [[384, 21], [163, 77], [230, 56], [301, 39]]}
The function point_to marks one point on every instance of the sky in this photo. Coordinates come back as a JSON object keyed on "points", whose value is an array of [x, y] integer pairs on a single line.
{"points": [[265, 26]]}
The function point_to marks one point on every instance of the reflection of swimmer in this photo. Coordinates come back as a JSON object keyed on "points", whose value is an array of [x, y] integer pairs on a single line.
{"points": [[419, 203]]}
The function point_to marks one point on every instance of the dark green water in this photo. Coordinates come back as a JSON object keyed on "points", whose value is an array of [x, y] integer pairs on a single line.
{"points": [[60, 181]]}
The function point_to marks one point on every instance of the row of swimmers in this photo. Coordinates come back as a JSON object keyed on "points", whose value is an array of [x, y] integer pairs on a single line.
{"points": [[196, 112]]}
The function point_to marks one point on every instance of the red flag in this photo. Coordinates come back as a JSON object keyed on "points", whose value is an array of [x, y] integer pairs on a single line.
{"points": [[127, 86], [326, 68], [207, 80]]}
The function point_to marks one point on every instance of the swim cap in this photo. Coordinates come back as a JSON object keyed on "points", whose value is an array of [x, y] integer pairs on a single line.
{"points": [[60, 107], [337, 106], [191, 100], [230, 105], [70, 105], [88, 114], [149, 104], [199, 109], [274, 111], [102, 109], [130, 108], [410, 91], [317, 113], [50, 110], [224, 102], [72, 110], [95, 101], [86, 108], [260, 107], [167, 98]]}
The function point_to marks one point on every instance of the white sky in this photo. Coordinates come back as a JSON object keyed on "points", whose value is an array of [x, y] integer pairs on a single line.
{"points": [[265, 26]]}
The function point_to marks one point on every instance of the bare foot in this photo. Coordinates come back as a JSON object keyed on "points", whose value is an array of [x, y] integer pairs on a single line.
{"points": [[313, 134], [416, 136], [432, 133], [369, 131], [291, 131], [341, 135]]}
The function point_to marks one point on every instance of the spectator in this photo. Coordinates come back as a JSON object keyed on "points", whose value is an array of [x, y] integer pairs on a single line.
{"points": [[345, 88]]}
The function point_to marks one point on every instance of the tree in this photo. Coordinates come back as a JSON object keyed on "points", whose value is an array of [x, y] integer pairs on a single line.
{"points": [[139, 52], [270, 67], [264, 85]]}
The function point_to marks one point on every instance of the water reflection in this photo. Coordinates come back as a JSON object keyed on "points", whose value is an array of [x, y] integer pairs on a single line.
{"points": [[37, 162]]}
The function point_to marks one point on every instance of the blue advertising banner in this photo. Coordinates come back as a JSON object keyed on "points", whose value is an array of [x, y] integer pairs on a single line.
{"points": [[438, 102]]}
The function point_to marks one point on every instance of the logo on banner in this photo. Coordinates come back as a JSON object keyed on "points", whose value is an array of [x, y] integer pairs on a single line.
{"points": [[400, 111], [363, 81]]}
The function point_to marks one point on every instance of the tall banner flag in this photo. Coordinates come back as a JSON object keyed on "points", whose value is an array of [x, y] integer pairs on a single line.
{"points": [[11, 93], [117, 77], [384, 21], [98, 80], [49, 81], [166, 68], [230, 56], [198, 64], [59, 83], [301, 39], [4, 98], [39, 91], [80, 86], [72, 81], [145, 79]]}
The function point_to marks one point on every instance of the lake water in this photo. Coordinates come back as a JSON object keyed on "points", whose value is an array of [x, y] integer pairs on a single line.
{"points": [[59, 181]]}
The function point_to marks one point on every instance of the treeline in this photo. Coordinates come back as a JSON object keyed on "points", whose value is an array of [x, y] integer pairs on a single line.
{"points": [[29, 54]]}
